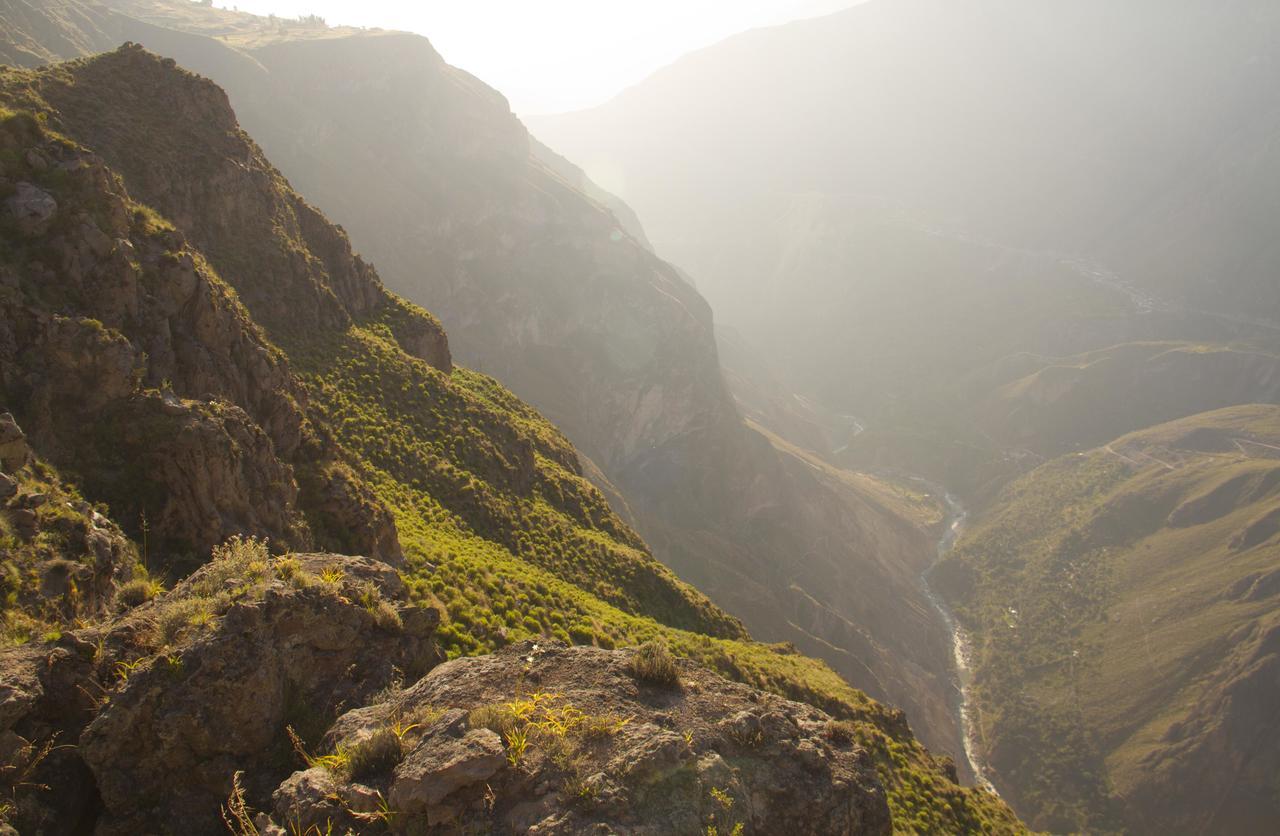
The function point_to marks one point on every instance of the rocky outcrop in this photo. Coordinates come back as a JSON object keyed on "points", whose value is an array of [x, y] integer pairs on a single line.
{"points": [[285, 644], [31, 209], [14, 451], [111, 320], [585, 746], [129, 358], [294, 275], [63, 557]]}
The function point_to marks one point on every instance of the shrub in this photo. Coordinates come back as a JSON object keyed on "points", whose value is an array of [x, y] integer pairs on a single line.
{"points": [[383, 612], [239, 558], [653, 663], [137, 591], [289, 570], [840, 731], [375, 754], [176, 616]]}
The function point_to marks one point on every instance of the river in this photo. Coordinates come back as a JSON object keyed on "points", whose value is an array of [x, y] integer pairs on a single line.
{"points": [[961, 656]]}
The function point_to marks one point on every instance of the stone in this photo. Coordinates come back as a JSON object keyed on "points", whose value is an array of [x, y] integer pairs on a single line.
{"points": [[37, 160], [307, 798], [32, 207], [441, 764], [8, 487], [13, 445], [653, 773], [163, 750]]}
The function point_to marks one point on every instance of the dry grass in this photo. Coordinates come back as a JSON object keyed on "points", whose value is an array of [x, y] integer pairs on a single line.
{"points": [[654, 664]]}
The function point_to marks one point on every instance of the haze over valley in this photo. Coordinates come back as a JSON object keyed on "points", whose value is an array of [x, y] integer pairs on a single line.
{"points": [[864, 423]]}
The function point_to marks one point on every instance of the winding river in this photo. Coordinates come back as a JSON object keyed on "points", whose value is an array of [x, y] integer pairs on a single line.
{"points": [[961, 672]]}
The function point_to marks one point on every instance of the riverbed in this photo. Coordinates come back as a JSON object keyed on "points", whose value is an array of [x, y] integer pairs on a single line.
{"points": [[961, 670]]}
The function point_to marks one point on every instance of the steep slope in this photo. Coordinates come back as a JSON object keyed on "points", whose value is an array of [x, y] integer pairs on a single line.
{"points": [[297, 276], [231, 355], [1122, 604], [39, 33], [559, 297]]}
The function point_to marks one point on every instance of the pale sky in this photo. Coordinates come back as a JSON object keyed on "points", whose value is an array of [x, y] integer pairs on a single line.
{"points": [[549, 56]]}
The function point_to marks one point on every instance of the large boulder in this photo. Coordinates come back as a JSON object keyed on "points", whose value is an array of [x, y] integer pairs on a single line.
{"points": [[443, 763], [550, 739], [32, 208], [290, 650], [13, 444]]}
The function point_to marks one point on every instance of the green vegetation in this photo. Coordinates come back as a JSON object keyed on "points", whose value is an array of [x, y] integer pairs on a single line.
{"points": [[1094, 592], [55, 579], [503, 535], [478, 482], [653, 664]]}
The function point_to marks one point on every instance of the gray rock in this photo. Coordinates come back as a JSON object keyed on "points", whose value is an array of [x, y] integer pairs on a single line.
{"points": [[714, 752], [32, 207], [307, 799], [8, 487], [441, 764], [163, 750], [13, 444]]}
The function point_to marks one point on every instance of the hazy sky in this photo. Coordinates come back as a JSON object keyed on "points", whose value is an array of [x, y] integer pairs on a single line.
{"points": [[554, 55]]}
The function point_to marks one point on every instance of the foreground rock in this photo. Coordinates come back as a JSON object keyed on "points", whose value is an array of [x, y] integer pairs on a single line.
{"points": [[179, 694], [559, 740]]}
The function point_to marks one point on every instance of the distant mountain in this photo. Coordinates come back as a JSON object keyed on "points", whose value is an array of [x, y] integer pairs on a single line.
{"points": [[1052, 405], [885, 193], [1127, 650]]}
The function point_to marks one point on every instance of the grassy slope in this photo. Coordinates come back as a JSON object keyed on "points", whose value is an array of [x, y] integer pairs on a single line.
{"points": [[546, 580], [1101, 591], [498, 526]]}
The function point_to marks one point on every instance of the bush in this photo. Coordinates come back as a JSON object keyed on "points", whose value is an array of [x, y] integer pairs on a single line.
{"points": [[654, 664], [840, 731], [137, 591], [383, 611], [376, 754]]}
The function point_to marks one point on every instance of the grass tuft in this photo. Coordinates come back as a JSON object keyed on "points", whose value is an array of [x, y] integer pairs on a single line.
{"points": [[654, 664]]}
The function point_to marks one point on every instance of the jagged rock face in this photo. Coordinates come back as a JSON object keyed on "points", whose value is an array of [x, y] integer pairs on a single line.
{"points": [[659, 759], [14, 451], [97, 307], [64, 557], [295, 274], [104, 303], [162, 748]]}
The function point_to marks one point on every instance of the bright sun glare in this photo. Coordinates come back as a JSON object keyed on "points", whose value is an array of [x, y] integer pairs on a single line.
{"points": [[556, 55]]}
